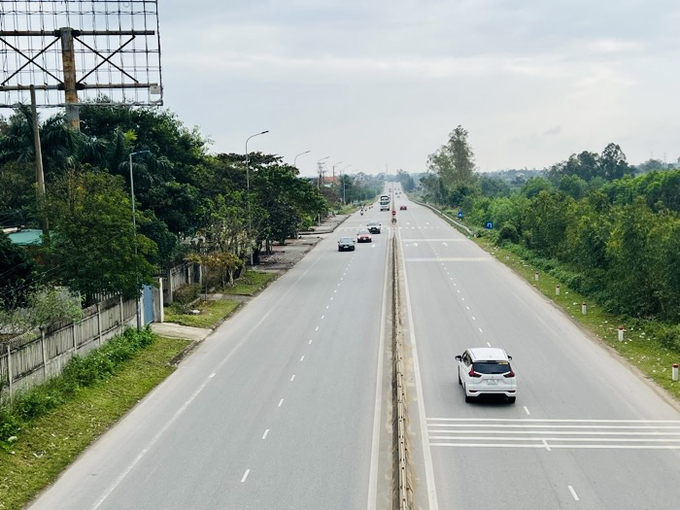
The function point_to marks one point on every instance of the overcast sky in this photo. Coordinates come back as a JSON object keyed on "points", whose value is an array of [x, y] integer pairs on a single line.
{"points": [[380, 84]]}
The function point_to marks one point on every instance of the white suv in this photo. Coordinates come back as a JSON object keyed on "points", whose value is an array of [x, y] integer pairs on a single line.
{"points": [[486, 370]]}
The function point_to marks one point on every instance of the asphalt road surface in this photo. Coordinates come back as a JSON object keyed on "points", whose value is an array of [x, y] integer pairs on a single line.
{"points": [[284, 405], [585, 432], [279, 408]]}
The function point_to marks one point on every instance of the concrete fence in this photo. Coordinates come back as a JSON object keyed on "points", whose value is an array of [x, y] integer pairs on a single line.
{"points": [[37, 355], [178, 276]]}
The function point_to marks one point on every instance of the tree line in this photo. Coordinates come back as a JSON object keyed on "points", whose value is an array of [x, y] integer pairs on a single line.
{"points": [[218, 209], [591, 220]]}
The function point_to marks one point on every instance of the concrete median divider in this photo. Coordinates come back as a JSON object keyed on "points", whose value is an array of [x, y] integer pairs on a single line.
{"points": [[402, 467]]}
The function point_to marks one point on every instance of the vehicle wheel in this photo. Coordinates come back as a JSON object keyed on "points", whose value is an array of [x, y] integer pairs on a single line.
{"points": [[467, 398], [511, 400]]}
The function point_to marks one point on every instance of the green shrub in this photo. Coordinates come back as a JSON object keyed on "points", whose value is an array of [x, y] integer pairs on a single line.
{"points": [[36, 402], [186, 294], [79, 372], [669, 337], [9, 426], [508, 233]]}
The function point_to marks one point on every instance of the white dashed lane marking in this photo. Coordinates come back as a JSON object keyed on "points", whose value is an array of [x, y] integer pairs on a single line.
{"points": [[573, 492]]}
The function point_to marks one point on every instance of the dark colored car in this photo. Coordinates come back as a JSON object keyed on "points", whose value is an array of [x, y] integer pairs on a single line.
{"points": [[402, 208], [364, 236], [346, 244], [373, 227]]}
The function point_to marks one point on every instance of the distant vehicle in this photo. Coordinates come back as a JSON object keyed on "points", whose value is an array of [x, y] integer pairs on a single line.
{"points": [[346, 244], [364, 236], [373, 227], [402, 208], [484, 371], [384, 202]]}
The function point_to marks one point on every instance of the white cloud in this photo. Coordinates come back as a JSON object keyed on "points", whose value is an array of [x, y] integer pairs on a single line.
{"points": [[375, 83]]}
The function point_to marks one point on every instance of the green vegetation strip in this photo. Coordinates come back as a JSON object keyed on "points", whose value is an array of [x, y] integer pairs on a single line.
{"points": [[250, 283], [210, 313], [55, 422], [641, 346]]}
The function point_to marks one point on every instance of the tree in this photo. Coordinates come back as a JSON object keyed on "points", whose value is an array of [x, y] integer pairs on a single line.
{"points": [[631, 287], [453, 162], [534, 186], [574, 186], [93, 244], [407, 182], [493, 186], [613, 163]]}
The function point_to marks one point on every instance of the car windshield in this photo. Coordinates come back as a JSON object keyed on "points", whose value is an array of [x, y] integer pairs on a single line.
{"points": [[346, 239], [363, 231], [491, 367]]}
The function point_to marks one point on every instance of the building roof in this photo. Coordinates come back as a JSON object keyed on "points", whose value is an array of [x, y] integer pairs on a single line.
{"points": [[25, 237]]}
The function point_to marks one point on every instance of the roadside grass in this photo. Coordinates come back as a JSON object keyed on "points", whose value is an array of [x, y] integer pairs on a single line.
{"points": [[49, 443], [639, 346], [250, 283], [211, 313]]}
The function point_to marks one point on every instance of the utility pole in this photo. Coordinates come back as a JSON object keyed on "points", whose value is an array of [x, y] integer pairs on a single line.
{"points": [[40, 175]]}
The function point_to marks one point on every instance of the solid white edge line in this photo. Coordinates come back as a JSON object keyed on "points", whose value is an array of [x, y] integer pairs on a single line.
{"points": [[245, 475], [266, 433], [280, 403], [377, 414], [149, 445], [427, 454], [573, 492]]}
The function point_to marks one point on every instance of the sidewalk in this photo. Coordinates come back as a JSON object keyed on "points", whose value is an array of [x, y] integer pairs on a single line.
{"points": [[281, 260]]}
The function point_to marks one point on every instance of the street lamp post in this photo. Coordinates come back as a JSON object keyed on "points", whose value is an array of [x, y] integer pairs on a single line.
{"points": [[134, 235], [295, 159], [334, 165], [318, 167], [248, 186], [344, 199]]}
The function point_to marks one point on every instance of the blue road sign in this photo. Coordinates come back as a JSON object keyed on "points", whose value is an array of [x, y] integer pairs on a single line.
{"points": [[489, 224], [460, 214]]}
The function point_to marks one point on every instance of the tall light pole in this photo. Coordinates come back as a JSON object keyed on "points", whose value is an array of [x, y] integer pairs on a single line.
{"points": [[295, 159], [134, 235], [334, 165], [344, 199], [318, 166], [250, 227], [248, 157]]}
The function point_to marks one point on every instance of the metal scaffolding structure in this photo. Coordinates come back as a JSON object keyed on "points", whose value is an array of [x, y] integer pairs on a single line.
{"points": [[71, 51]]}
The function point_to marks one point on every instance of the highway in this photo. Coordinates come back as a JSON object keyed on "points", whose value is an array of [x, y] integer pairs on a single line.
{"points": [[286, 405], [585, 432], [281, 407]]}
